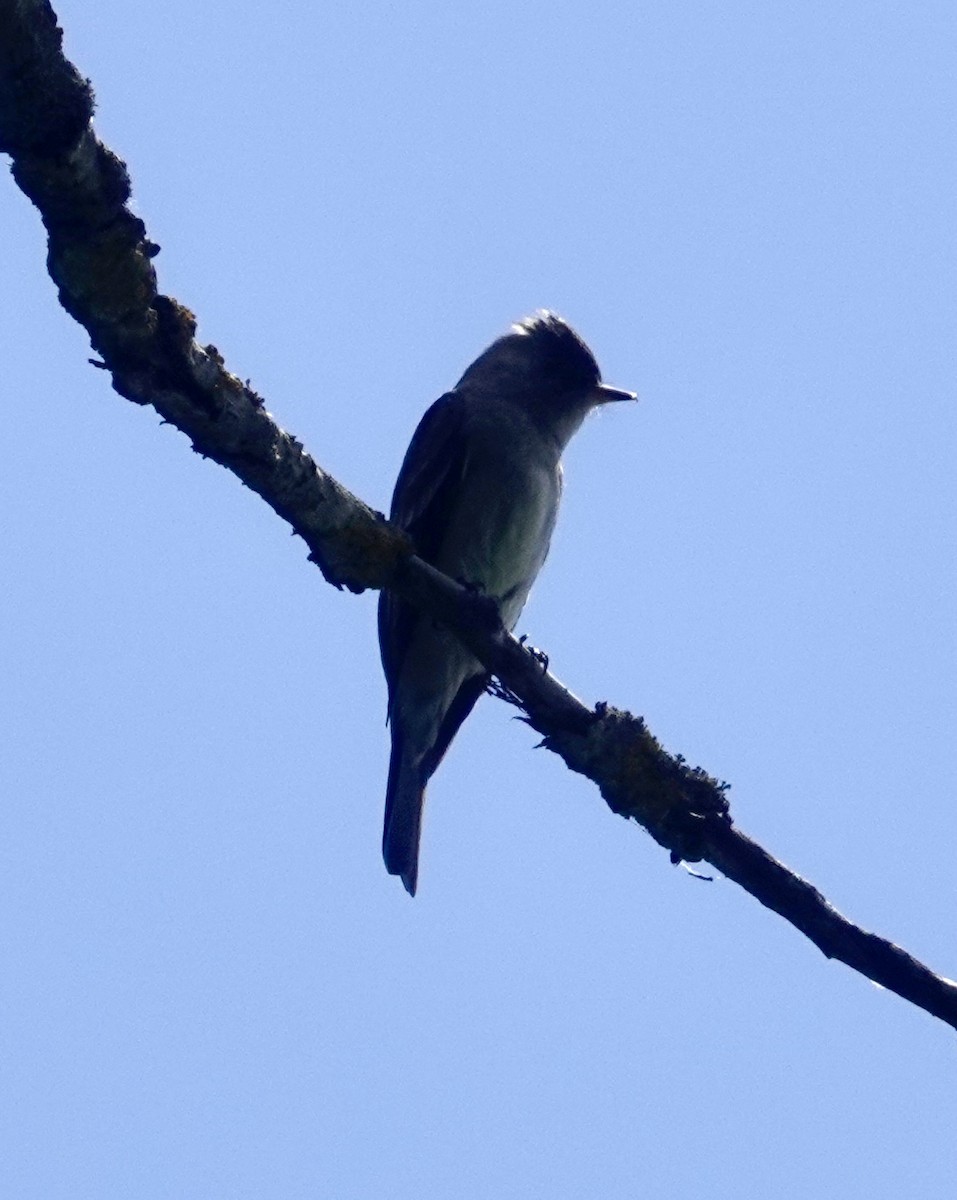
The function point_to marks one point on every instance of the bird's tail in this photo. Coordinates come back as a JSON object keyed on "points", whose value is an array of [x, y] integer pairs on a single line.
{"points": [[403, 818]]}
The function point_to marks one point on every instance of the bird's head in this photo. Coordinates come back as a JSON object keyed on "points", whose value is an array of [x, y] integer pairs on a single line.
{"points": [[542, 361]]}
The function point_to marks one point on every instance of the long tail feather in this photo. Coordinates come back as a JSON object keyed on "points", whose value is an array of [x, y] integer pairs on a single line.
{"points": [[403, 818]]}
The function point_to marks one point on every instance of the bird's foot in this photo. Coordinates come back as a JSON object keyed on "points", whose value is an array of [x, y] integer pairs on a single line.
{"points": [[539, 655]]}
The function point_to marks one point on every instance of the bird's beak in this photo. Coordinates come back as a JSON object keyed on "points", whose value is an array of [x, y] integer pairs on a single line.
{"points": [[604, 394]]}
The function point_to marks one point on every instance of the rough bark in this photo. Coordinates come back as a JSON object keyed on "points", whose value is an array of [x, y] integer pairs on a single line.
{"points": [[101, 260]]}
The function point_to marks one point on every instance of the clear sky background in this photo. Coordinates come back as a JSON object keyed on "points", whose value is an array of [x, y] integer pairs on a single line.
{"points": [[209, 987]]}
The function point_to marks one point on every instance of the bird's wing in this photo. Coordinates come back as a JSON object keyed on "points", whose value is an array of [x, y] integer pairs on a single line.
{"points": [[434, 465], [432, 471]]}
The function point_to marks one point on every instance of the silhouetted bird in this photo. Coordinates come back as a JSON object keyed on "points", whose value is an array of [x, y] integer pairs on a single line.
{"points": [[478, 493]]}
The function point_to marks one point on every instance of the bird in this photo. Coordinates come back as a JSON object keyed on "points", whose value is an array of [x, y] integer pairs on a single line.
{"points": [[478, 493]]}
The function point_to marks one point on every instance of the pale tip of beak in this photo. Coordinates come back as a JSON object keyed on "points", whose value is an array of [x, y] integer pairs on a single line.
{"points": [[605, 394]]}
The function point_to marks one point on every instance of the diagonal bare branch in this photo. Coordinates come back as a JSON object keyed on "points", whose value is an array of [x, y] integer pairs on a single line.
{"points": [[101, 260]]}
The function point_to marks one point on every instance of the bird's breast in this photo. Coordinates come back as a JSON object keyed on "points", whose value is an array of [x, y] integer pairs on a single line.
{"points": [[499, 532]]}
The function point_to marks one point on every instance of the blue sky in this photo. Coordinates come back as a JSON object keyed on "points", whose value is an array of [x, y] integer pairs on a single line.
{"points": [[211, 988]]}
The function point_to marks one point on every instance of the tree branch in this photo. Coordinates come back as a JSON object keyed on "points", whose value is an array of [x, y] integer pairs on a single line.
{"points": [[102, 263]]}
